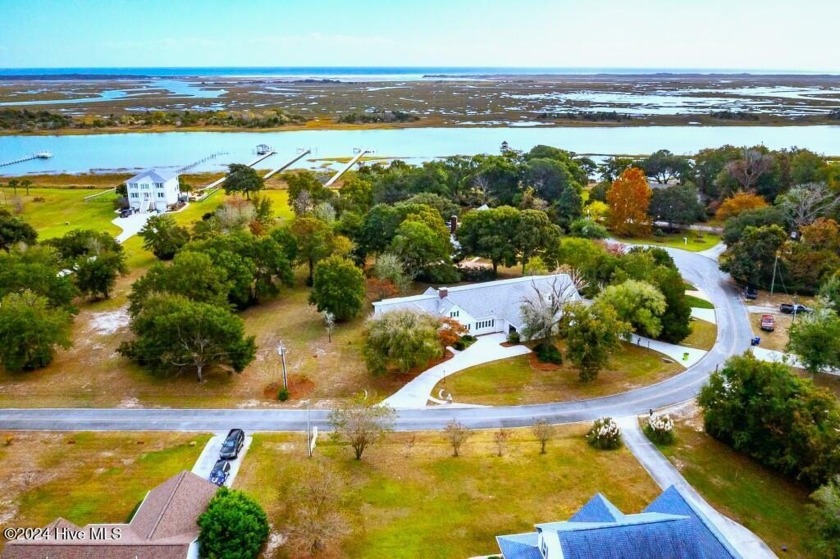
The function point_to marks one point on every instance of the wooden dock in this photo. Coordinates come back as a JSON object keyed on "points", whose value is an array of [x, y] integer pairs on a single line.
{"points": [[347, 167], [208, 190], [286, 165]]}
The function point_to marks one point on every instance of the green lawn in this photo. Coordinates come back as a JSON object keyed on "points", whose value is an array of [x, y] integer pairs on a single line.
{"points": [[515, 381], [404, 501], [696, 243], [763, 501], [703, 335], [64, 210], [698, 302], [88, 477]]}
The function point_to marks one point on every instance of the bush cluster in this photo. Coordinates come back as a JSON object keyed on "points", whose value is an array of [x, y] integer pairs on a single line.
{"points": [[660, 429], [769, 413], [548, 353], [605, 434]]}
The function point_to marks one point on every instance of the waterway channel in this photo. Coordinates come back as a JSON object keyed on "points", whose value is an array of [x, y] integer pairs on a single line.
{"points": [[133, 151]]}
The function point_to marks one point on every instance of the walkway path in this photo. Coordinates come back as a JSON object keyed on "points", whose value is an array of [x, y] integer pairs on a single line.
{"points": [[665, 475], [415, 394], [673, 351]]}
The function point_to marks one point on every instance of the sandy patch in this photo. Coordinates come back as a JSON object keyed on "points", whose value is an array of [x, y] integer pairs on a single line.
{"points": [[105, 323]]}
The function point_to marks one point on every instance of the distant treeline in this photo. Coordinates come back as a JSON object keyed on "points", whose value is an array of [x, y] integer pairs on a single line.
{"points": [[27, 121], [377, 117]]}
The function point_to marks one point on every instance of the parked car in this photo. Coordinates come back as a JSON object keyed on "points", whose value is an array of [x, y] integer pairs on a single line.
{"points": [[790, 308], [220, 472], [233, 444], [768, 322], [125, 212], [750, 293]]}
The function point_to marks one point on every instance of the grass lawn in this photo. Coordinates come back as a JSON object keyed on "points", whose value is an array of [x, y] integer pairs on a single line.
{"points": [[64, 210], [763, 501], [515, 381], [87, 477], [696, 243], [698, 302], [778, 338], [405, 500], [703, 335]]}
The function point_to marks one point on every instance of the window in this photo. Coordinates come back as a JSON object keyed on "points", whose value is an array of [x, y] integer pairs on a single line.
{"points": [[484, 324], [144, 186], [158, 185], [161, 195], [135, 195], [454, 314]]}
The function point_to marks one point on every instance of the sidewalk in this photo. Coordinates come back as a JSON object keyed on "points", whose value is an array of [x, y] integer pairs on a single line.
{"points": [[672, 351], [416, 393], [665, 475]]}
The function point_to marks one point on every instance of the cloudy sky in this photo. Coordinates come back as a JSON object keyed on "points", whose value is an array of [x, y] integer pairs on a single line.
{"points": [[700, 34]]}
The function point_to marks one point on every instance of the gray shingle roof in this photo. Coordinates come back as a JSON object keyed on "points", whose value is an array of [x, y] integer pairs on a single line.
{"points": [[499, 299], [157, 175]]}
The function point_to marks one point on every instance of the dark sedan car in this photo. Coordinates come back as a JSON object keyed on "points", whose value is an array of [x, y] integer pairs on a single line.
{"points": [[233, 444], [220, 472]]}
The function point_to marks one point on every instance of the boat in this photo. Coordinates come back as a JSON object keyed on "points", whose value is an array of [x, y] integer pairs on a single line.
{"points": [[43, 154], [263, 149]]}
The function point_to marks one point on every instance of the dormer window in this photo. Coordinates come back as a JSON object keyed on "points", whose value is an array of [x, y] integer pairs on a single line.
{"points": [[454, 314]]}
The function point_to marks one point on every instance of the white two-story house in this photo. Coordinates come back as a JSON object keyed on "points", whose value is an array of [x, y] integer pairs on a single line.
{"points": [[153, 189]]}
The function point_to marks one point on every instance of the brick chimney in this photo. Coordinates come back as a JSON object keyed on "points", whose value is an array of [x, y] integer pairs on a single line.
{"points": [[443, 292]]}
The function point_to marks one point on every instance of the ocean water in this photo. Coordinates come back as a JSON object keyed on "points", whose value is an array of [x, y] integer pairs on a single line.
{"points": [[356, 73]]}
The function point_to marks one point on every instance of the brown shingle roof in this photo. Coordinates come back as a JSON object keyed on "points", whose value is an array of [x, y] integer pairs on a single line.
{"points": [[162, 528], [173, 507]]}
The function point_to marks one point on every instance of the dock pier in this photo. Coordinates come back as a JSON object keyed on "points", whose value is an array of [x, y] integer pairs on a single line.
{"points": [[347, 167], [39, 155], [208, 190], [287, 164]]}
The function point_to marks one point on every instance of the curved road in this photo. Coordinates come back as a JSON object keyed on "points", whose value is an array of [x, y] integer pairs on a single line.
{"points": [[733, 338]]}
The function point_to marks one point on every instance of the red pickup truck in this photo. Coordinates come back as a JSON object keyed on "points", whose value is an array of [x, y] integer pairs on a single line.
{"points": [[768, 323]]}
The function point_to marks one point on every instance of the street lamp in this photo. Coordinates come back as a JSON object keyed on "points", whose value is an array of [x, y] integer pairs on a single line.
{"points": [[281, 351]]}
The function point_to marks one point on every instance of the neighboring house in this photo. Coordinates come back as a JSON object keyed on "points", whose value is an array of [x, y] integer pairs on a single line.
{"points": [[164, 527], [484, 308], [153, 189], [669, 528]]}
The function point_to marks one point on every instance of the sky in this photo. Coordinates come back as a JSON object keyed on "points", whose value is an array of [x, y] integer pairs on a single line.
{"points": [[800, 35]]}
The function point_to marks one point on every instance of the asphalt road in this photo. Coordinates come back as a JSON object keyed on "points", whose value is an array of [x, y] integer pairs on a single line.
{"points": [[734, 335]]}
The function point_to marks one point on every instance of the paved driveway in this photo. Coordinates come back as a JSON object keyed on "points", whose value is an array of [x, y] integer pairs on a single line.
{"points": [[210, 454], [131, 225]]}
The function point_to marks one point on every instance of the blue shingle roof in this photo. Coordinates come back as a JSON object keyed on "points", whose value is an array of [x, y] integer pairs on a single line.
{"points": [[519, 546], [669, 528], [598, 509], [714, 544]]}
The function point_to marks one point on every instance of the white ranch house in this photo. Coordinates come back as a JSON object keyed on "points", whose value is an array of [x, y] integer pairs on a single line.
{"points": [[484, 308], [153, 189]]}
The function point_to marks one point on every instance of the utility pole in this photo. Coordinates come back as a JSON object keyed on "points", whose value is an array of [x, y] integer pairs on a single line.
{"points": [[281, 351], [775, 264], [308, 432]]}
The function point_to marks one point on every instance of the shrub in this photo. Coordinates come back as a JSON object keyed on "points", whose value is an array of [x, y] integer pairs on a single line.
{"points": [[548, 353], [514, 337], [605, 434], [660, 429], [233, 526], [464, 342], [283, 394]]}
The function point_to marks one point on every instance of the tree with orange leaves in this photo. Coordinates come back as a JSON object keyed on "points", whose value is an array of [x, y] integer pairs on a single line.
{"points": [[738, 204], [450, 331], [629, 198]]}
